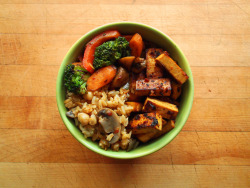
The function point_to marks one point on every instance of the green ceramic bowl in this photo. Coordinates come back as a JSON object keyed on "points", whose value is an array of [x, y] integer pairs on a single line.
{"points": [[148, 33]]}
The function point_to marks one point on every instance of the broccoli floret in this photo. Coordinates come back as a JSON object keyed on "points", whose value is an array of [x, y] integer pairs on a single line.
{"points": [[109, 52], [75, 79]]}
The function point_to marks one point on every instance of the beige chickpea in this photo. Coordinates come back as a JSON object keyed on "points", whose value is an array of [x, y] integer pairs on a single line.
{"points": [[88, 96], [92, 120], [83, 118]]}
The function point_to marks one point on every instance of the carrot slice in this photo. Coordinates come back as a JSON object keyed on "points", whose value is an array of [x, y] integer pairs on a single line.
{"points": [[136, 45], [89, 52], [101, 77]]}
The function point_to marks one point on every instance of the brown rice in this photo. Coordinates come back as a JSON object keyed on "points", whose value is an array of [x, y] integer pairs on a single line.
{"points": [[85, 110]]}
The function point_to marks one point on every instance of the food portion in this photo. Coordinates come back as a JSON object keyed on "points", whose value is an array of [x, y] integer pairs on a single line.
{"points": [[101, 77], [166, 109], [166, 127], [123, 92], [171, 66], [75, 78], [153, 87], [136, 45], [154, 70], [111, 51], [145, 123], [89, 53]]}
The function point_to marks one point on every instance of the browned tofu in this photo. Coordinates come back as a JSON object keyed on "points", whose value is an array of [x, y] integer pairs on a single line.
{"points": [[133, 78], [137, 107], [145, 123], [172, 67], [148, 136], [176, 90], [166, 127], [153, 69], [169, 100], [153, 87], [165, 109]]}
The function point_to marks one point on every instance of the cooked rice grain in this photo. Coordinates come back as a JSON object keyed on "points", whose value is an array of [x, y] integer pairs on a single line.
{"points": [[90, 104]]}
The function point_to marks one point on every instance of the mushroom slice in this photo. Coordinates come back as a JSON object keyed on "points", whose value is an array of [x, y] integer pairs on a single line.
{"points": [[133, 143], [121, 78], [139, 65], [70, 114], [110, 123]]}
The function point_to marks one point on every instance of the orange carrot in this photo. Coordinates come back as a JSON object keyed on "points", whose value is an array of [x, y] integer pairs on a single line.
{"points": [[136, 45], [101, 77]]}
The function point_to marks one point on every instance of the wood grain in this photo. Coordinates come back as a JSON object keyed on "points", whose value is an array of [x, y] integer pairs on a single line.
{"points": [[34, 80], [74, 19], [160, 2], [221, 82], [209, 82], [29, 113], [122, 175], [206, 114], [205, 50], [217, 148]]}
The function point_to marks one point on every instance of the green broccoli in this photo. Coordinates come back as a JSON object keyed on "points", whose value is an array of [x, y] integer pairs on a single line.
{"points": [[75, 79], [109, 52]]}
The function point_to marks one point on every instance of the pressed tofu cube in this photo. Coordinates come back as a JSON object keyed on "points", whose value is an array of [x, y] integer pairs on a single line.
{"points": [[165, 109], [176, 90], [166, 127], [169, 100], [146, 136], [132, 80], [153, 87], [145, 123], [171, 67], [153, 69]]}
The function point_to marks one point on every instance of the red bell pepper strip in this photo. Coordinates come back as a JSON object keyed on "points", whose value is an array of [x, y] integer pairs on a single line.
{"points": [[89, 52]]}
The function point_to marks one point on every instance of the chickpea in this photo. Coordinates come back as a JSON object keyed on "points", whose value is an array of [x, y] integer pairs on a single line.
{"points": [[83, 118], [88, 96], [92, 120]]}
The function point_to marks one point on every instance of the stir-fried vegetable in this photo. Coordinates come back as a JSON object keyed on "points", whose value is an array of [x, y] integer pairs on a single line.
{"points": [[101, 77], [89, 52], [75, 79], [136, 45], [109, 52]]}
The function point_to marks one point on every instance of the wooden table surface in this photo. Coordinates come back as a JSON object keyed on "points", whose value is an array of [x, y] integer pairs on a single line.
{"points": [[212, 150]]}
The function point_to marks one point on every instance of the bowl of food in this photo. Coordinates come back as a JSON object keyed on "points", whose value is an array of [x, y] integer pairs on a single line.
{"points": [[124, 90]]}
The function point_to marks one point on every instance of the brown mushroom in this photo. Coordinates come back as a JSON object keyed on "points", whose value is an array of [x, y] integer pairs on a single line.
{"points": [[133, 143], [70, 114], [120, 79], [110, 123], [139, 65]]}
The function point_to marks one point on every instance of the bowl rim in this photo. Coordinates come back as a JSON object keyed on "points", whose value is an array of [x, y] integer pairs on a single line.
{"points": [[117, 155]]}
